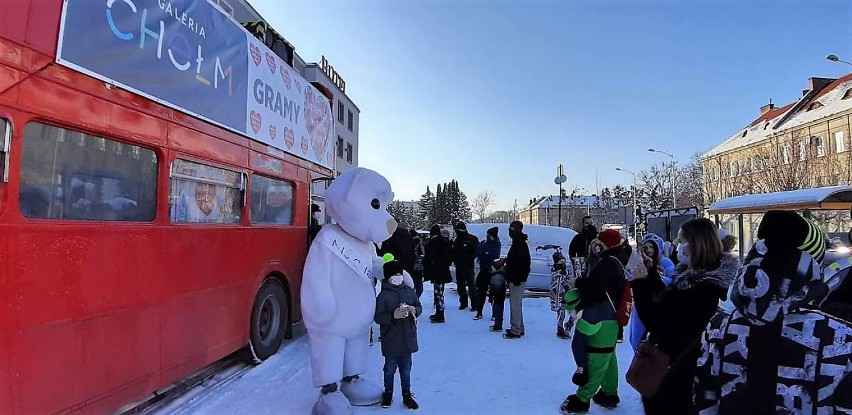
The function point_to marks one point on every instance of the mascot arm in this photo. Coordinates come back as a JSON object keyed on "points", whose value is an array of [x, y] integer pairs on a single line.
{"points": [[318, 297]]}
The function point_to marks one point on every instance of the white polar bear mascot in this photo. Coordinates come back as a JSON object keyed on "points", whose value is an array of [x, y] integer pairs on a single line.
{"points": [[338, 289]]}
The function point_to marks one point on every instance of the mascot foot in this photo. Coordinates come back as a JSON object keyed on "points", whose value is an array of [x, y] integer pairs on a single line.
{"points": [[334, 403], [361, 392]]}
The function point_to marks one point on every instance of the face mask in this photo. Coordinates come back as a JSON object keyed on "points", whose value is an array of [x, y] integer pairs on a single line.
{"points": [[681, 258], [396, 280]]}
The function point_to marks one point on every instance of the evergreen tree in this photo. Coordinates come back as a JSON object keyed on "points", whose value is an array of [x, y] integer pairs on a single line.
{"points": [[439, 209], [427, 206]]}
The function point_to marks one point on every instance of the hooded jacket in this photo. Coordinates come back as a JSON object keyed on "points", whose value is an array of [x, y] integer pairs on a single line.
{"points": [[666, 264], [773, 354], [487, 251], [399, 336]]}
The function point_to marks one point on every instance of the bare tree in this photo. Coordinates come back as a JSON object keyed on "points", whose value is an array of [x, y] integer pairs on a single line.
{"points": [[482, 204]]}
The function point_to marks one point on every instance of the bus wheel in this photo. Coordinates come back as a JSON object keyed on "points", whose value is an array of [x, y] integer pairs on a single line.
{"points": [[269, 317]]}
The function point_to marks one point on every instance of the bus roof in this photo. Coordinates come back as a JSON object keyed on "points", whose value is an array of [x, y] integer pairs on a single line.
{"points": [[820, 198]]}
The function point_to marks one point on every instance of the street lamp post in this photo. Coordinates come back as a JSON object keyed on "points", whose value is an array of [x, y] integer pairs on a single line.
{"points": [[560, 178], [635, 227], [835, 58], [674, 197]]}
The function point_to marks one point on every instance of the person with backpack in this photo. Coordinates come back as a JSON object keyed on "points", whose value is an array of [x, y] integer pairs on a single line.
{"points": [[598, 295]]}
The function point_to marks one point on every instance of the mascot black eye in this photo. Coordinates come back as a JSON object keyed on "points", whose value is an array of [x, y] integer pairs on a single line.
{"points": [[376, 204]]}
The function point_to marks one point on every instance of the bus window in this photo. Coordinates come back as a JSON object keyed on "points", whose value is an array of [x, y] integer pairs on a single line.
{"points": [[75, 176], [205, 194], [271, 201]]}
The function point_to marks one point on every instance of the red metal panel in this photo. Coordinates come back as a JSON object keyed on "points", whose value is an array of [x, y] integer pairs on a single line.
{"points": [[5, 376], [13, 19], [64, 103], [193, 142], [85, 360], [138, 125], [43, 25]]}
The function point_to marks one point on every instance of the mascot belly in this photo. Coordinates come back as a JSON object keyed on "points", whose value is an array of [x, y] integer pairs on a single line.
{"points": [[338, 294]]}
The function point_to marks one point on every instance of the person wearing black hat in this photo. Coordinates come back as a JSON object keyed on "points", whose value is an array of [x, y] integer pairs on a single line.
{"points": [[397, 308], [773, 353], [487, 251], [401, 245], [464, 254], [579, 246], [315, 226], [436, 268], [517, 271]]}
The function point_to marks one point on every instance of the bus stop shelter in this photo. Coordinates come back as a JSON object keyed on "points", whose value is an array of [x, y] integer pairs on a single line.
{"points": [[819, 198]]}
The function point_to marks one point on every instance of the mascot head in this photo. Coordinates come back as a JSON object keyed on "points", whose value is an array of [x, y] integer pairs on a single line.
{"points": [[358, 201]]}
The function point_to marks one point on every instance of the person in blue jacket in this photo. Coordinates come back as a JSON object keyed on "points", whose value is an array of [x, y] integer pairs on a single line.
{"points": [[652, 247], [486, 253]]}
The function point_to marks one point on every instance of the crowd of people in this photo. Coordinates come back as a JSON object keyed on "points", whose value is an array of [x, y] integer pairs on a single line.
{"points": [[784, 348]]}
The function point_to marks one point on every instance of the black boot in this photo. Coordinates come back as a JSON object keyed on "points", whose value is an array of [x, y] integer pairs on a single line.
{"points": [[572, 404], [581, 376], [408, 400], [606, 401], [438, 317], [496, 328], [560, 332], [387, 398]]}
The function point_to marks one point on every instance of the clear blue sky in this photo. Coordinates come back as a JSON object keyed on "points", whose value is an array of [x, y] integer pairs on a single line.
{"points": [[497, 93]]}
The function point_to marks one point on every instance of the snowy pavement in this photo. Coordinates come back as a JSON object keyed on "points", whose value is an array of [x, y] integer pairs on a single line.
{"points": [[461, 368]]}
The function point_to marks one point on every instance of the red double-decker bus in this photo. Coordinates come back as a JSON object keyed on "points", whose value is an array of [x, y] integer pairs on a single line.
{"points": [[142, 238]]}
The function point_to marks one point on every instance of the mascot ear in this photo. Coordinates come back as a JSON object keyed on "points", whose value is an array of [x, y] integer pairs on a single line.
{"points": [[354, 187]]}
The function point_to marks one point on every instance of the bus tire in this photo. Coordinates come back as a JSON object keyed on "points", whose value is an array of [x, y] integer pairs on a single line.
{"points": [[269, 318]]}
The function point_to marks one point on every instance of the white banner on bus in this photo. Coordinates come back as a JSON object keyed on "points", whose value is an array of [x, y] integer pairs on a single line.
{"points": [[284, 110]]}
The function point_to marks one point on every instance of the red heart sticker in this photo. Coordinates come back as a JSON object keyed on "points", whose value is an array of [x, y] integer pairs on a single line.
{"points": [[298, 87], [255, 54], [270, 62], [285, 76], [304, 145], [272, 131], [256, 121], [289, 137]]}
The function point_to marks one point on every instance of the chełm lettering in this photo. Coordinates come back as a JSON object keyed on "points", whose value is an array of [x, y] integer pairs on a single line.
{"points": [[179, 47]]}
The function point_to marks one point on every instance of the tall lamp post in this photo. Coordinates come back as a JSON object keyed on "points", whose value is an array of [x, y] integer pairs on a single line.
{"points": [[559, 180], [674, 197], [635, 227], [835, 58]]}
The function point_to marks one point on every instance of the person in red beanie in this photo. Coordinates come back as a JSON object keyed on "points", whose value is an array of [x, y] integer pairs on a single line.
{"points": [[600, 292]]}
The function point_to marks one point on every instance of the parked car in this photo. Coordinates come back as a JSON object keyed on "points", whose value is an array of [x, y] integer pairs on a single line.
{"points": [[538, 236]]}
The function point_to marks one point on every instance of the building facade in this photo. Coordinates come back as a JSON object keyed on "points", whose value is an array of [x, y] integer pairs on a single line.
{"points": [[545, 211], [800, 145]]}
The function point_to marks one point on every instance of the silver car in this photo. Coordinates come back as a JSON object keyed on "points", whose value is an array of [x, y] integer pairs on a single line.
{"points": [[541, 260]]}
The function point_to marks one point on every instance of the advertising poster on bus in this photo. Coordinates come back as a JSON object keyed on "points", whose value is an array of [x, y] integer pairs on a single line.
{"points": [[192, 57]]}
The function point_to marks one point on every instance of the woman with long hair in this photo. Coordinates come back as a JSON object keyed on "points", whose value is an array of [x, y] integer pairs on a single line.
{"points": [[676, 315]]}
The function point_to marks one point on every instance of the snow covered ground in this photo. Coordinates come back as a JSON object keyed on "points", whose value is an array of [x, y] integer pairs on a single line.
{"points": [[461, 368]]}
